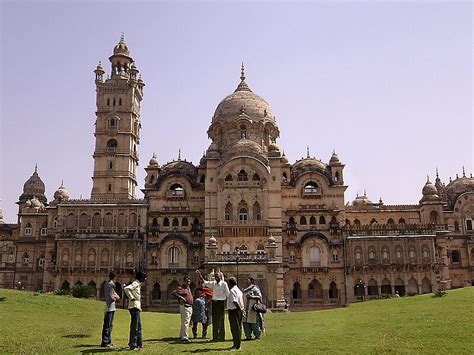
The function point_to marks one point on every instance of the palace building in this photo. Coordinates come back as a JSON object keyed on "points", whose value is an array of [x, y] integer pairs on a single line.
{"points": [[243, 209]]}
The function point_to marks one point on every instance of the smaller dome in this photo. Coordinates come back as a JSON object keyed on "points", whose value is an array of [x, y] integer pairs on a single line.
{"points": [[35, 203], [154, 161], [429, 189], [100, 68], [133, 66], [61, 194], [121, 48], [284, 159], [361, 200], [212, 241], [271, 240], [334, 159], [272, 147]]}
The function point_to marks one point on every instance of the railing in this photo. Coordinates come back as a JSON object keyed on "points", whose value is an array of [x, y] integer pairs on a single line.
{"points": [[394, 229], [242, 258]]}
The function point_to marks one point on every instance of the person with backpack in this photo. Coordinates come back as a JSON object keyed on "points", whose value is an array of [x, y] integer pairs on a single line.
{"points": [[110, 297], [133, 293]]}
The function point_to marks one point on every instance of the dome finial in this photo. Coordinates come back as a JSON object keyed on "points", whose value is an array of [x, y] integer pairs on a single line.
{"points": [[307, 151], [36, 168], [179, 154], [463, 172], [122, 37], [437, 175], [62, 182], [427, 178], [242, 72], [365, 193]]}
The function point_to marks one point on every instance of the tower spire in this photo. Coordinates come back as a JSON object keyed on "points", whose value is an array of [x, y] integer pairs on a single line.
{"points": [[179, 154], [463, 172], [242, 72], [307, 151], [122, 37], [36, 168]]}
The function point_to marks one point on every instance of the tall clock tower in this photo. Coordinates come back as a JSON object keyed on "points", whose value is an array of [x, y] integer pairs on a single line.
{"points": [[117, 127]]}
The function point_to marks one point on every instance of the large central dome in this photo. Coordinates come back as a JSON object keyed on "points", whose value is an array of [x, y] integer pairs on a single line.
{"points": [[243, 100]]}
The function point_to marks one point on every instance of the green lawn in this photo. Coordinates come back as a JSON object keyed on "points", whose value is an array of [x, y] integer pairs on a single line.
{"points": [[421, 324]]}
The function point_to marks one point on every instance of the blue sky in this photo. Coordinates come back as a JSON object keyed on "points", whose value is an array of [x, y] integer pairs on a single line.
{"points": [[388, 85]]}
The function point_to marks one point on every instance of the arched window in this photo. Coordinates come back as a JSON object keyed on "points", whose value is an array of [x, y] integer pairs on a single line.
{"points": [[242, 176], [456, 226], [256, 177], [154, 258], [356, 222], [184, 222], [28, 229], [154, 222], [121, 221], [412, 253], [314, 256], [455, 257], [96, 220], [335, 256], [284, 177], [228, 212], [202, 180], [108, 220], [390, 221], [108, 101], [175, 222], [336, 176], [112, 123], [386, 287], [120, 101], [243, 251], [55, 222], [311, 188], [426, 286], [322, 220], [303, 220], [156, 293], [257, 212], [243, 214], [371, 255], [243, 132], [401, 221], [132, 220], [91, 256], [260, 251], [292, 257], [26, 258], [373, 221], [176, 190], [469, 224], [385, 253], [358, 255], [398, 253], [44, 228], [70, 221], [83, 221], [229, 178], [348, 222], [65, 286], [312, 220], [434, 217], [129, 258], [104, 258], [166, 222], [296, 292], [173, 255], [425, 253]]}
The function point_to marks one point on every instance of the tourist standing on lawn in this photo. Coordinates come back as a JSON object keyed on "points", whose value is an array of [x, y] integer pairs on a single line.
{"points": [[220, 291], [110, 297], [185, 299], [235, 305], [251, 321], [133, 294], [202, 300]]}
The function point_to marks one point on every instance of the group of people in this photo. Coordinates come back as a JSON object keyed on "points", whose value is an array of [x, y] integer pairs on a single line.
{"points": [[206, 306], [211, 298]]}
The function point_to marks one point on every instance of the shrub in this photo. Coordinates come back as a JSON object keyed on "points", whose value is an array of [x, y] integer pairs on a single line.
{"points": [[411, 294], [81, 291], [386, 295], [439, 293], [3, 299], [61, 292]]}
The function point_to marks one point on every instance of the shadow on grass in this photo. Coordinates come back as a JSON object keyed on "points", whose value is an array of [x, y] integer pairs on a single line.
{"points": [[76, 336], [103, 350], [169, 340], [207, 350]]}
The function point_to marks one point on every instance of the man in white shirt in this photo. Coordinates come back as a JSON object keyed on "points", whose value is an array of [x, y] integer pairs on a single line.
{"points": [[220, 291], [235, 305], [133, 293]]}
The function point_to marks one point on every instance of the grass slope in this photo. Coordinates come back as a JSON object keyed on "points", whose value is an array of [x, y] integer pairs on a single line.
{"points": [[421, 324]]}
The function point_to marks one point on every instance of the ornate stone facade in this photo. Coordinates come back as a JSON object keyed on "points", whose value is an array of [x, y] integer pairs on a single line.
{"points": [[243, 209]]}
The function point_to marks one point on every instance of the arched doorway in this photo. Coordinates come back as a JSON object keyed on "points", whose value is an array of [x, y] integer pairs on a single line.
{"points": [[102, 290], [373, 288], [412, 286], [315, 290], [93, 288], [426, 286], [65, 286], [296, 294], [400, 287], [156, 293], [386, 288], [332, 293], [359, 290]]}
